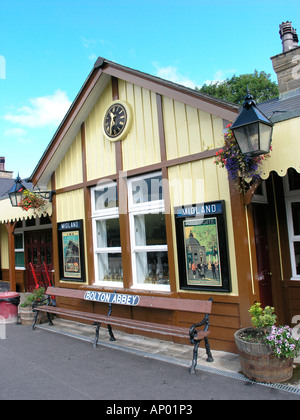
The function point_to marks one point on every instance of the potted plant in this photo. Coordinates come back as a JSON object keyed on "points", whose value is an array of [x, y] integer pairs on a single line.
{"points": [[266, 352], [241, 168], [26, 312]]}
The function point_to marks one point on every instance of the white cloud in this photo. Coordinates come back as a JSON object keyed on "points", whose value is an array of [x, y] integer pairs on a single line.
{"points": [[220, 76], [43, 111], [15, 132], [18, 134], [171, 73]]}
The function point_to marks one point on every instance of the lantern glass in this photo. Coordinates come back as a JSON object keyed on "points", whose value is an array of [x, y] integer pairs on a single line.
{"points": [[252, 129], [247, 138], [265, 133], [15, 198], [16, 193]]}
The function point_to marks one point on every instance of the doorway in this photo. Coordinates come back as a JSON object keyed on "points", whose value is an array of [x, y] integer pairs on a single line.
{"points": [[39, 257], [260, 223]]}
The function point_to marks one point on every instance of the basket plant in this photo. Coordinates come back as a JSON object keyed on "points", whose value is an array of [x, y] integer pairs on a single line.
{"points": [[241, 168], [266, 351], [31, 201]]}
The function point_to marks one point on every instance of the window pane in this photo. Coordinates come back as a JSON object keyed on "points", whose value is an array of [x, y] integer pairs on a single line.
{"points": [[294, 179], [296, 217], [19, 259], [145, 190], [35, 256], [42, 254], [110, 267], [19, 241], [297, 256], [108, 233], [106, 198], [150, 229], [152, 267], [49, 255]]}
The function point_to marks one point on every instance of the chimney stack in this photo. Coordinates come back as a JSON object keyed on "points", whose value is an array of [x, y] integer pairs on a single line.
{"points": [[2, 164], [287, 64], [288, 36], [3, 172]]}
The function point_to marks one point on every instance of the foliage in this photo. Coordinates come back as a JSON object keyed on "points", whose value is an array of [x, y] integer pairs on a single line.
{"points": [[283, 343], [36, 295], [262, 318], [235, 88], [279, 339], [30, 200], [239, 166]]}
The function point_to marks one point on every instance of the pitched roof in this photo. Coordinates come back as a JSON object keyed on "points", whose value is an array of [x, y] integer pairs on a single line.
{"points": [[92, 88], [279, 109], [7, 183]]}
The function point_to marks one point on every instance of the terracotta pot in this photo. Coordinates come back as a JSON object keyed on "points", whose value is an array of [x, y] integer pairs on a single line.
{"points": [[258, 362]]}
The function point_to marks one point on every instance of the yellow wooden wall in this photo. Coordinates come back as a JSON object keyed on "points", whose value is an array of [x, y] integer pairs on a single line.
{"points": [[284, 154], [141, 146], [4, 247], [100, 152], [70, 206], [69, 172], [187, 131]]}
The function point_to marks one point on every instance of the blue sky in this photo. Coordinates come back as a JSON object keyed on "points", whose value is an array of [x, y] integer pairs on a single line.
{"points": [[48, 48]]}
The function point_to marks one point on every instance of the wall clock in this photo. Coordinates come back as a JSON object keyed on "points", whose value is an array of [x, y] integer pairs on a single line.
{"points": [[117, 120]]}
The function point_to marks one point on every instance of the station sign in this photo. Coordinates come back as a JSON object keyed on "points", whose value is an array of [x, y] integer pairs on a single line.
{"points": [[118, 298]]}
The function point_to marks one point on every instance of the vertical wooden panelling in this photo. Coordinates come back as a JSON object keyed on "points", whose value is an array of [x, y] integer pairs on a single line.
{"points": [[100, 152], [4, 247], [189, 130], [69, 172], [283, 141], [141, 145], [186, 187], [70, 205]]}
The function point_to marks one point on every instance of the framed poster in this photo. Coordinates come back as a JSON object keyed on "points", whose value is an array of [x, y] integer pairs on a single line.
{"points": [[202, 247], [71, 251]]}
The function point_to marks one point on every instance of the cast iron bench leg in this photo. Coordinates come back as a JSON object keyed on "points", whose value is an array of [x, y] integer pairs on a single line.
{"points": [[195, 357], [35, 319], [208, 352], [98, 325], [49, 319], [112, 337]]}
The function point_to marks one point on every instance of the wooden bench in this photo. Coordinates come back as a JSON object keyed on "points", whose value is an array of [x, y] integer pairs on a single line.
{"points": [[193, 334]]}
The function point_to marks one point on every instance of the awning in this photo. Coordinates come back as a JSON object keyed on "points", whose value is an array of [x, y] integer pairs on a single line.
{"points": [[285, 152], [11, 214]]}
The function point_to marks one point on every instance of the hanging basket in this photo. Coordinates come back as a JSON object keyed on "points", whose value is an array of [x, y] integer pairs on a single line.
{"points": [[32, 201]]}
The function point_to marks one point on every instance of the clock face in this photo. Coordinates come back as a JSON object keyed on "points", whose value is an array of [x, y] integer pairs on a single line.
{"points": [[115, 121]]}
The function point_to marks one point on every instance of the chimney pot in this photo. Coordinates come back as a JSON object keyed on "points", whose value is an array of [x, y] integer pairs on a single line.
{"points": [[288, 36]]}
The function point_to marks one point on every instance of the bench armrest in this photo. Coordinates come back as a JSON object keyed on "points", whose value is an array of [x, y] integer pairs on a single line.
{"points": [[193, 331], [39, 302]]}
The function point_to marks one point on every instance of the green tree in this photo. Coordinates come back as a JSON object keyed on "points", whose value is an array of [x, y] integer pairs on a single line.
{"points": [[235, 89]]}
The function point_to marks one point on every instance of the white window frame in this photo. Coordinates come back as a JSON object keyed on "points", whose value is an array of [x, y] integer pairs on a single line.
{"points": [[292, 237], [20, 250], [291, 196], [149, 207], [101, 215]]}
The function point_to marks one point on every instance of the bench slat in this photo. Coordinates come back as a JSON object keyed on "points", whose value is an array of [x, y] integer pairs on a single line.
{"points": [[175, 304], [123, 322]]}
